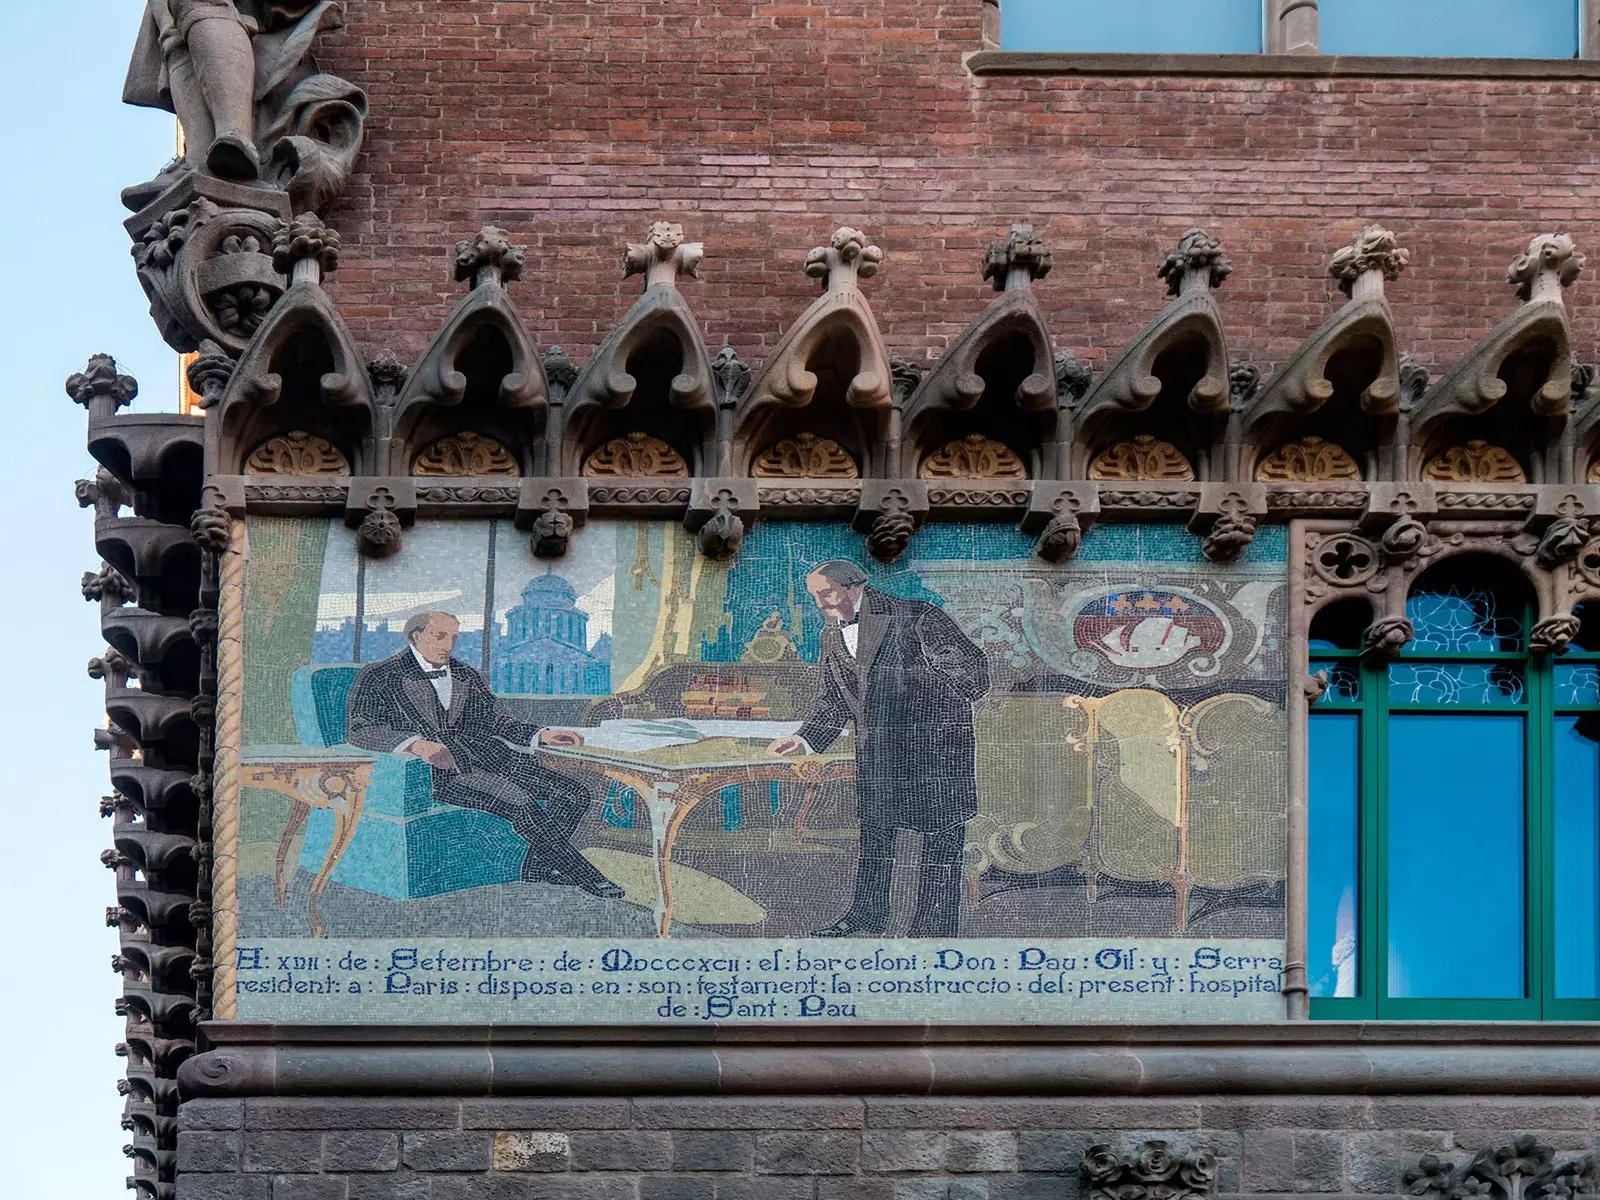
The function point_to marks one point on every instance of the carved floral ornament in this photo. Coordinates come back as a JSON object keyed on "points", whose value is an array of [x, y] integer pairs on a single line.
{"points": [[296, 453], [636, 456], [465, 453], [1475, 462], [1310, 460], [1153, 1170], [806, 456], [974, 457], [1143, 458]]}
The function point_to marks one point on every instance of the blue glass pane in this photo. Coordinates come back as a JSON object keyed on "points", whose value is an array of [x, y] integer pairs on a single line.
{"points": [[1344, 680], [1150, 26], [1455, 683], [1451, 28], [1578, 683], [1334, 836], [1456, 895], [1577, 859], [1463, 619]]}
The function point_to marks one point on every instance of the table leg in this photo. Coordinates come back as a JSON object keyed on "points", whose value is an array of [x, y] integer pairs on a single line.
{"points": [[299, 810], [686, 801], [346, 804]]}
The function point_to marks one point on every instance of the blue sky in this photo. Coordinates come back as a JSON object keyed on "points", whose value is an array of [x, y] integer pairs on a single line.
{"points": [[69, 145]]}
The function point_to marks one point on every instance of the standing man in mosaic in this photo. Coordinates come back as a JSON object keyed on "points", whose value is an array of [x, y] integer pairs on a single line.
{"points": [[903, 673], [428, 704]]}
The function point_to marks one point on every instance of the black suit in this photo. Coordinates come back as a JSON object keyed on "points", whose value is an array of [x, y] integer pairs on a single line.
{"points": [[394, 701], [909, 690]]}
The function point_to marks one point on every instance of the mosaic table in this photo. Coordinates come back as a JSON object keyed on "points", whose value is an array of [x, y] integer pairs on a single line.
{"points": [[674, 765], [322, 777]]}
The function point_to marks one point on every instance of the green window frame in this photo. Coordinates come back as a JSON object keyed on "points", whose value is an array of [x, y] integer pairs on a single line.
{"points": [[1364, 689]]}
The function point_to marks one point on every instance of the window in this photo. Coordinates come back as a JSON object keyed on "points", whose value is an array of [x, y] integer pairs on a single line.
{"points": [[1424, 28], [1137, 26], [1451, 28], [1454, 812]]}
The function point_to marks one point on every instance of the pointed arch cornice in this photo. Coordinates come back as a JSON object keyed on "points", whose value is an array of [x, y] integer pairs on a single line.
{"points": [[785, 379], [1130, 384], [490, 261], [1473, 385], [954, 385]]}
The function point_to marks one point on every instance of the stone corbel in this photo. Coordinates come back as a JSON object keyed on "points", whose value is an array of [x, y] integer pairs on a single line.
{"points": [[1473, 385], [609, 381], [1560, 523], [1227, 518], [1130, 384], [486, 263], [551, 510], [955, 385], [889, 512], [786, 380], [340, 407], [1302, 385], [1059, 514], [720, 513], [379, 509], [203, 251]]}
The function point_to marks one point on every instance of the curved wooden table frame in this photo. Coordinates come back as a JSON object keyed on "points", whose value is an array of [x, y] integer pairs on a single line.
{"points": [[338, 784], [671, 793]]}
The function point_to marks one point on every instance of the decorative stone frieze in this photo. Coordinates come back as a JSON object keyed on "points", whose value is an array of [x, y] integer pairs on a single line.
{"points": [[1523, 1169], [1141, 457], [1152, 1170], [973, 457], [805, 456], [636, 456], [1475, 462], [296, 453], [465, 453], [1309, 460]]}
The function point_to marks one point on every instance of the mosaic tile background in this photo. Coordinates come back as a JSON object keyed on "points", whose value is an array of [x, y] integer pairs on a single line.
{"points": [[1125, 713]]}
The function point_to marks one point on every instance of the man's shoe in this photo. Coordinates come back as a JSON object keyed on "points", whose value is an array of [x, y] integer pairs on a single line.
{"points": [[850, 926], [233, 158], [603, 888]]}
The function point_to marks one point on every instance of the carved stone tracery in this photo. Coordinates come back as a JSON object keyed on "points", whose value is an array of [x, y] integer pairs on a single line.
{"points": [[973, 457], [1475, 462], [806, 456], [465, 453], [297, 453], [1143, 458], [1309, 460], [636, 456]]}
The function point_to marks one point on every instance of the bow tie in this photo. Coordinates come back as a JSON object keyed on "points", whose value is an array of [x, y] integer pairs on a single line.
{"points": [[439, 674]]}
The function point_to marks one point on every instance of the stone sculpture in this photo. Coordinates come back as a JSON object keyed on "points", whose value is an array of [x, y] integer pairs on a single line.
{"points": [[237, 75]]}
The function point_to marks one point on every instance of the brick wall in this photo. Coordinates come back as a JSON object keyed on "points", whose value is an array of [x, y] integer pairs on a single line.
{"points": [[823, 1149], [763, 125]]}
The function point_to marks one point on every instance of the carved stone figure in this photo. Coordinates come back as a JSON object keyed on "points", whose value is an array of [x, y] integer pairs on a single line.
{"points": [[237, 75]]}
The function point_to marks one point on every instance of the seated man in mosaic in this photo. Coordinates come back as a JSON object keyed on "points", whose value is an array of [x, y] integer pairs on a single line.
{"points": [[426, 703]]}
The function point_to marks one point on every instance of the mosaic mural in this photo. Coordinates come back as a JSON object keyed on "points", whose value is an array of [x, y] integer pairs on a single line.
{"points": [[638, 785]]}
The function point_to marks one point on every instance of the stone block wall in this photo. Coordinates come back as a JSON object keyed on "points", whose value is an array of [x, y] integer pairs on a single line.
{"points": [[827, 1149], [763, 126]]}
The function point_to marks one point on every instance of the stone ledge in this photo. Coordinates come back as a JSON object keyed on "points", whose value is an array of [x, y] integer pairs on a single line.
{"points": [[1286, 1059], [1024, 62]]}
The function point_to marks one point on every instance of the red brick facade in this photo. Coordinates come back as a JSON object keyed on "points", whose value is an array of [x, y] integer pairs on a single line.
{"points": [[762, 126]]}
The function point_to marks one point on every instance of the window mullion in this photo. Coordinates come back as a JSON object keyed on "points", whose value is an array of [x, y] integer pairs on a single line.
{"points": [[1374, 837]]}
